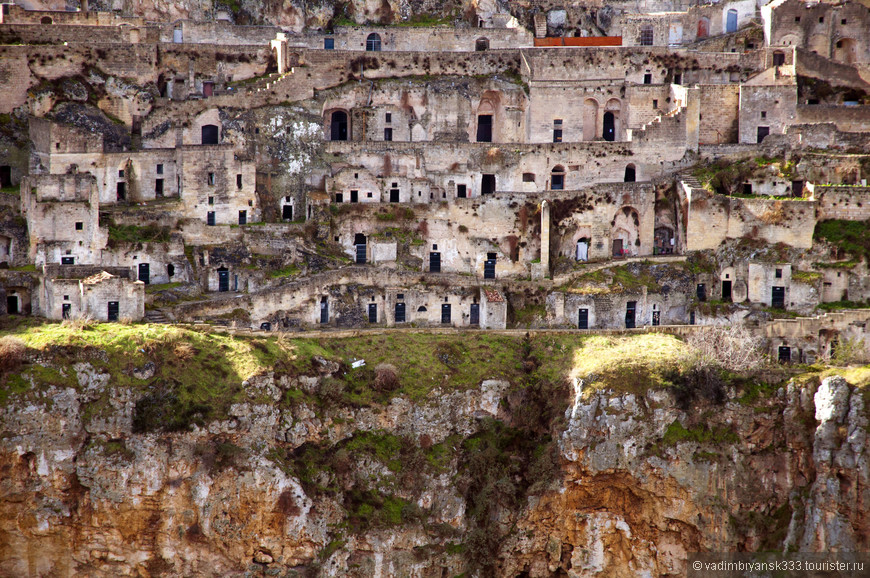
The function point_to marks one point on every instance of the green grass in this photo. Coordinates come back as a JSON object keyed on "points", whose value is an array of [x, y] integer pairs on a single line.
{"points": [[161, 287], [805, 276], [137, 234], [12, 190], [676, 434], [288, 271], [837, 305], [852, 237]]}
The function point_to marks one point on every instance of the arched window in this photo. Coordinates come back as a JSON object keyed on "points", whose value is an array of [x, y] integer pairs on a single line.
{"points": [[45, 20], [481, 44], [646, 35], [373, 42], [557, 178], [210, 134], [630, 174], [338, 126]]}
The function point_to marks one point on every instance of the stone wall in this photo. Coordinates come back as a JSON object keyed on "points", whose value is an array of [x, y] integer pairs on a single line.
{"points": [[437, 39]]}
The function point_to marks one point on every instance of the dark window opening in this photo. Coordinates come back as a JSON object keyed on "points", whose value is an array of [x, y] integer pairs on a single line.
{"points": [[646, 36], [339, 197], [388, 134], [243, 217], [484, 128], [5, 176], [778, 58], [209, 218], [388, 117], [557, 181], [170, 270], [210, 134], [211, 200], [373, 43], [113, 311], [238, 181], [777, 273], [80, 226], [67, 260], [528, 177], [481, 44], [762, 132], [647, 78], [784, 354], [655, 103], [630, 174], [609, 126], [121, 190], [461, 191], [287, 212], [158, 187]]}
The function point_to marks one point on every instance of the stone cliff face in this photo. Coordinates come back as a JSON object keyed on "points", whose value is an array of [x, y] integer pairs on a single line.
{"points": [[400, 489]]}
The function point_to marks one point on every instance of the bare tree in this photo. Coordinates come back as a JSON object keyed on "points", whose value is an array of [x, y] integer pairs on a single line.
{"points": [[731, 347]]}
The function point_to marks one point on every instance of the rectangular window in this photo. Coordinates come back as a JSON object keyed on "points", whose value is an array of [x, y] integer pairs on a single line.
{"points": [[80, 226], [763, 114], [329, 43], [528, 177], [209, 220], [647, 78], [557, 135], [655, 103], [158, 187], [646, 36], [243, 217], [678, 79], [67, 260], [238, 181], [484, 128], [211, 200], [211, 178], [388, 134], [388, 117], [339, 197], [121, 174], [159, 169], [113, 311], [778, 273], [461, 191]]}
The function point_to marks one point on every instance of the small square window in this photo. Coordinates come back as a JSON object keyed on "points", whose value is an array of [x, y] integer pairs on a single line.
{"points": [[80, 226], [821, 19], [843, 21], [368, 195], [395, 185], [797, 18], [434, 247], [388, 117], [763, 114], [400, 295], [557, 122], [647, 78], [120, 174], [211, 200], [159, 169], [66, 297], [778, 273], [356, 175]]}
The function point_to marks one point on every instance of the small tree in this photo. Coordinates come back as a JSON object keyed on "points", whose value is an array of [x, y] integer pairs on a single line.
{"points": [[730, 347]]}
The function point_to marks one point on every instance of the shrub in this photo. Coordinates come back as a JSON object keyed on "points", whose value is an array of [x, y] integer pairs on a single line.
{"points": [[184, 351], [386, 378], [80, 322], [847, 352], [733, 348], [12, 353]]}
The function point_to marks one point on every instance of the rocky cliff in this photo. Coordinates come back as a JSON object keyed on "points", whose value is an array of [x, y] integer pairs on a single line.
{"points": [[150, 451]]}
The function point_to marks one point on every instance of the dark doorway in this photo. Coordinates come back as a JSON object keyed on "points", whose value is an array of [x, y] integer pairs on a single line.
{"points": [[394, 195], [158, 187], [797, 188], [656, 318], [481, 44], [489, 269], [434, 262], [778, 58], [629, 174], [630, 309], [66, 310], [12, 304], [209, 218], [210, 134], [445, 313], [359, 242], [784, 354], [617, 247], [373, 313], [243, 217], [5, 176], [762, 132], [475, 314], [121, 191], [701, 292], [487, 184], [354, 196], [726, 290], [583, 319], [557, 181], [287, 212], [777, 298], [324, 310], [484, 128], [609, 126], [338, 126], [113, 310], [223, 280], [170, 270], [400, 312], [460, 191], [145, 273]]}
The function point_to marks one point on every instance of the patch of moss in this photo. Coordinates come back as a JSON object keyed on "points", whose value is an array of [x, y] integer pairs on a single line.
{"points": [[676, 434]]}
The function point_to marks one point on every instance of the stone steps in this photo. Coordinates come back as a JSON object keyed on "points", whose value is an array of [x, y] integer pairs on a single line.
{"points": [[156, 316]]}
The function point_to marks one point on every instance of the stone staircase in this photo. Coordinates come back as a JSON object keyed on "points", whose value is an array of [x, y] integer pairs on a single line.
{"points": [[156, 316]]}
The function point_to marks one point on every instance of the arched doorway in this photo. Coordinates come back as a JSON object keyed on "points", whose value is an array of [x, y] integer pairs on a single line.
{"points": [[373, 42], [630, 174], [609, 129], [338, 126], [210, 134], [45, 20], [481, 44], [703, 28], [557, 178], [625, 232]]}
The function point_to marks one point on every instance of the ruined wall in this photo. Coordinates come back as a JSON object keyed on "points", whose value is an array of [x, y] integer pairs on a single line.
{"points": [[719, 109], [438, 39], [832, 31], [840, 202]]}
